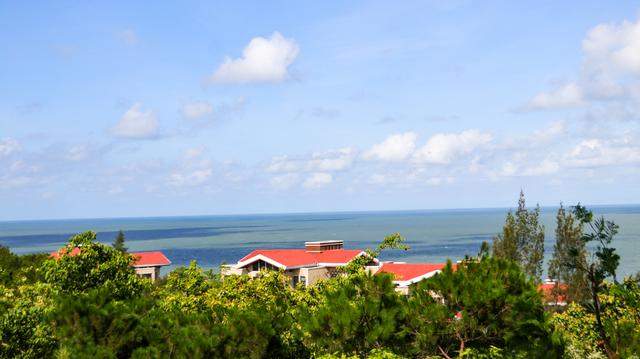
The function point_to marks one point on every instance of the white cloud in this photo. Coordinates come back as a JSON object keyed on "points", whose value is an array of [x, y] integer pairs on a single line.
{"points": [[197, 109], [549, 133], [396, 147], [444, 148], [611, 63], [8, 146], [195, 169], [263, 60], [546, 167], [128, 36], [136, 124], [568, 95], [324, 161], [333, 160], [598, 153], [318, 180], [613, 47], [284, 181], [190, 178]]}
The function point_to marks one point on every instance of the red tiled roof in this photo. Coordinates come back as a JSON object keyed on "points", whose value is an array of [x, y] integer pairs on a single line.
{"points": [[150, 259], [142, 259], [300, 257], [63, 251], [549, 296], [409, 271]]}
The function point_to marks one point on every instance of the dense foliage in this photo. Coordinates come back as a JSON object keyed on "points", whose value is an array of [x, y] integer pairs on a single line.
{"points": [[88, 302], [522, 239]]}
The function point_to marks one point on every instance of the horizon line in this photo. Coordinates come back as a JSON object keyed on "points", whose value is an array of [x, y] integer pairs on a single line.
{"points": [[302, 213]]}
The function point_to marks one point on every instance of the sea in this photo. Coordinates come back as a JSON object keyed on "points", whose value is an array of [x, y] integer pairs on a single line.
{"points": [[432, 235]]}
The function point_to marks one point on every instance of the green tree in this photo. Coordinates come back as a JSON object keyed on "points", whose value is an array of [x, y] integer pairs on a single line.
{"points": [[601, 265], [118, 243], [84, 264], [568, 248], [356, 314], [522, 239], [19, 269], [25, 331], [487, 302], [392, 241]]}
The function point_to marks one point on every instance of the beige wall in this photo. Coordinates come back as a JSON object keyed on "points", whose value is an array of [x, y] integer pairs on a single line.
{"points": [[152, 273]]}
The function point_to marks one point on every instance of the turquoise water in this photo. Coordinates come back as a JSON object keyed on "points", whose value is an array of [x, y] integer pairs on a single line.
{"points": [[433, 235]]}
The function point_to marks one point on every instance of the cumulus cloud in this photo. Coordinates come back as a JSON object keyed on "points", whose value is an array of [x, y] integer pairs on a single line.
{"points": [[568, 95], [596, 152], [318, 180], [611, 61], [8, 146], [444, 148], [613, 47], [136, 124], [198, 109], [263, 60], [396, 147]]}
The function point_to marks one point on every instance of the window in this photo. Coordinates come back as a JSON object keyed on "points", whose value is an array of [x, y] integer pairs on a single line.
{"points": [[260, 265], [303, 280]]}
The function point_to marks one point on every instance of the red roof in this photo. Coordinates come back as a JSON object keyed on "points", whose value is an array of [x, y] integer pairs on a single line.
{"points": [[300, 257], [409, 271], [142, 259], [547, 289], [150, 259]]}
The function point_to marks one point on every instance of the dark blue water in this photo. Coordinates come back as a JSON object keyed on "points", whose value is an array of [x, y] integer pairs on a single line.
{"points": [[433, 236]]}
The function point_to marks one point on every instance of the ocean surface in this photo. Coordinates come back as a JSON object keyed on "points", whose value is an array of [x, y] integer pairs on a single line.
{"points": [[433, 235]]}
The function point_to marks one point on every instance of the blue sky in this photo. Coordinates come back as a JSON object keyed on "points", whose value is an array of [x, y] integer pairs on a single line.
{"points": [[141, 109]]}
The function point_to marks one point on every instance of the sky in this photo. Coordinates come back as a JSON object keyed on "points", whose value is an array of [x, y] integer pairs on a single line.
{"points": [[116, 109]]}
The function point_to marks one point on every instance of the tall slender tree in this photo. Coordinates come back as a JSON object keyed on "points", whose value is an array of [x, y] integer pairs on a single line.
{"points": [[118, 243], [522, 239], [569, 257], [602, 264]]}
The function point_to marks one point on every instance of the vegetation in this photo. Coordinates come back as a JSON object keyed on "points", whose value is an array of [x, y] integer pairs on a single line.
{"points": [[118, 243], [89, 303], [522, 239], [569, 258]]}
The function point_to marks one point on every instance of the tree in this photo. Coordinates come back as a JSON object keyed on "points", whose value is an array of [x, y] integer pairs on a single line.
{"points": [[601, 265], [487, 302], [118, 243], [356, 314], [522, 239], [562, 266], [392, 241], [84, 264]]}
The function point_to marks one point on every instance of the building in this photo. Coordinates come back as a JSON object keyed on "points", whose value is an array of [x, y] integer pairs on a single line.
{"points": [[553, 293], [146, 264], [318, 260], [406, 274]]}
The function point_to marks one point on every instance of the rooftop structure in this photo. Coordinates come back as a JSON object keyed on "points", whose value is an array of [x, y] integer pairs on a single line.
{"points": [[406, 274], [316, 261], [553, 293], [146, 264]]}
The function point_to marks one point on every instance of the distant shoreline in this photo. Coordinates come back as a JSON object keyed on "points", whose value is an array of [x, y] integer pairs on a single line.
{"points": [[319, 213]]}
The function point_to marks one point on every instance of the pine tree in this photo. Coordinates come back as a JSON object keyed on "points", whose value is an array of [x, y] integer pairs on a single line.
{"points": [[562, 266], [522, 239], [118, 243]]}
